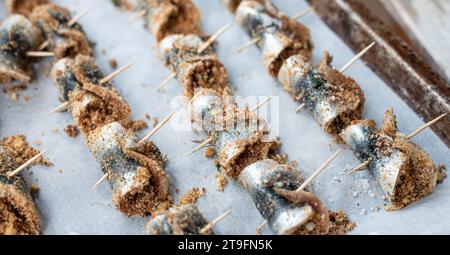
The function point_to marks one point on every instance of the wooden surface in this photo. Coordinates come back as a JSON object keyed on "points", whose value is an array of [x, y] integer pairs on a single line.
{"points": [[393, 58], [427, 22]]}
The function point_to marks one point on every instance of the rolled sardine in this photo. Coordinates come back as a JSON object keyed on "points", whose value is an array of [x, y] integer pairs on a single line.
{"points": [[62, 39], [302, 213], [333, 98], [18, 214], [403, 170], [17, 36], [136, 172], [279, 37], [169, 17], [194, 70], [180, 220], [92, 104]]}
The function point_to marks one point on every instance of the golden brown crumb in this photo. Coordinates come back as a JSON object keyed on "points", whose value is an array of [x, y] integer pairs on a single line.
{"points": [[113, 63], [441, 173], [192, 196], [26, 98], [340, 223], [138, 125], [14, 96], [22, 151], [209, 152], [155, 122], [221, 182], [71, 130], [34, 188]]}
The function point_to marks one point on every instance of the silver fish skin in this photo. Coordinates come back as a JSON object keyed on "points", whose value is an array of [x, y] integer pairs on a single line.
{"points": [[362, 139], [63, 75], [203, 109], [299, 78], [260, 179], [17, 36], [107, 149], [159, 225], [180, 220], [252, 16]]}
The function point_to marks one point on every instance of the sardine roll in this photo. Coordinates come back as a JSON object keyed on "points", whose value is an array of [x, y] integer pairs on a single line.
{"points": [[404, 171], [194, 70], [243, 140], [180, 220], [92, 104], [279, 37], [17, 36], [23, 7], [64, 41], [204, 108], [168, 17], [18, 214], [334, 99], [272, 185], [136, 172]]}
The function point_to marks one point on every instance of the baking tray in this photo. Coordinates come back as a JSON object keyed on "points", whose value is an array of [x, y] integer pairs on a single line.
{"points": [[67, 203]]}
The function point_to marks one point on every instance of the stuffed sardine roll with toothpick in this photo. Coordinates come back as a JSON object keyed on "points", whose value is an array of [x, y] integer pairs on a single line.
{"points": [[178, 220], [168, 17], [403, 170], [333, 98], [272, 187], [279, 37], [63, 39], [17, 36], [136, 172], [18, 214], [193, 69]]}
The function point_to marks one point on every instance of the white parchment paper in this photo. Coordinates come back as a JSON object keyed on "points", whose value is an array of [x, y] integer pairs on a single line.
{"points": [[69, 206]]}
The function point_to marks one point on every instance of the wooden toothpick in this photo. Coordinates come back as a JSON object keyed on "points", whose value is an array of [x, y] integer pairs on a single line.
{"points": [[115, 73], [261, 226], [303, 13], [100, 181], [207, 141], [214, 222], [358, 56], [40, 54], [26, 164], [261, 104], [248, 45], [77, 17], [300, 107], [318, 171], [427, 125], [138, 16], [158, 127], [359, 167], [44, 45], [61, 107], [165, 82], [212, 38]]}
